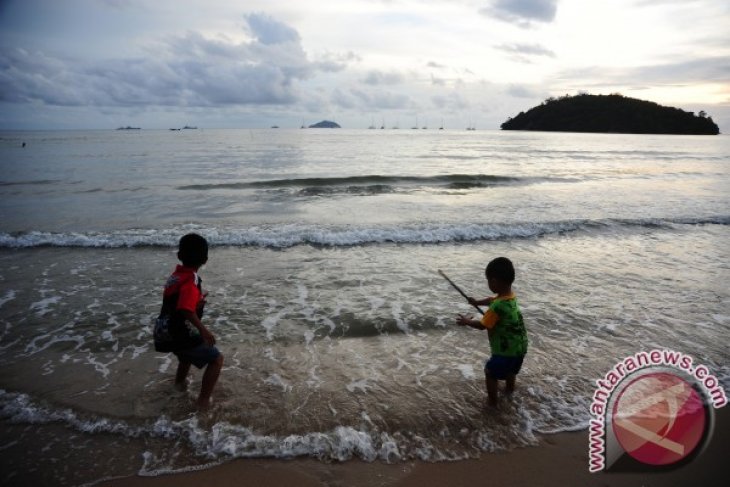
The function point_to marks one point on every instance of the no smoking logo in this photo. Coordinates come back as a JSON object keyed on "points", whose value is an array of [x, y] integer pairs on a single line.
{"points": [[659, 419]]}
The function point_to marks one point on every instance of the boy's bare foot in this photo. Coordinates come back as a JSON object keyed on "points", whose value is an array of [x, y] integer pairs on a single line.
{"points": [[488, 405], [203, 404], [181, 386]]}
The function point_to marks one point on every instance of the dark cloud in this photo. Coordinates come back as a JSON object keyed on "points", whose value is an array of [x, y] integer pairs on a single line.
{"points": [[522, 12], [191, 70]]}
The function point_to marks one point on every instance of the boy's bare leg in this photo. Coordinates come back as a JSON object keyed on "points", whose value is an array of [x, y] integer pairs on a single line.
{"points": [[210, 377], [183, 368], [510, 382], [491, 389]]}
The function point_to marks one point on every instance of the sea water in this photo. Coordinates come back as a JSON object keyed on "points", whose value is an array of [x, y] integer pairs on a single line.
{"points": [[338, 332]]}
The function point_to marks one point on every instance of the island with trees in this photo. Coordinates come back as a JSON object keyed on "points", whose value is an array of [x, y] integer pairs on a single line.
{"points": [[610, 114], [324, 124]]}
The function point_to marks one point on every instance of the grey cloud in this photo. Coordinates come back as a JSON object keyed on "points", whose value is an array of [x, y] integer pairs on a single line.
{"points": [[526, 49], [437, 81], [342, 99], [452, 101], [382, 100], [186, 71], [522, 12], [710, 69], [522, 91], [270, 31], [334, 62], [376, 78], [703, 69]]}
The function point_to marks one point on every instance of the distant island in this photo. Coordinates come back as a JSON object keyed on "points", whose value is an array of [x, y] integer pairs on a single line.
{"points": [[610, 114], [325, 124], [129, 128]]}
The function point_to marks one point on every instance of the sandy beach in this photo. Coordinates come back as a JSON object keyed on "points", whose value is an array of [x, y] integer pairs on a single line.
{"points": [[559, 460]]}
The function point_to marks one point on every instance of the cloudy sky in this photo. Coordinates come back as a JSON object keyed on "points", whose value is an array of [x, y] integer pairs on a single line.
{"points": [[255, 63]]}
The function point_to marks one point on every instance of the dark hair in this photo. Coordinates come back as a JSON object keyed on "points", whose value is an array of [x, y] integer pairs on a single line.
{"points": [[193, 250], [502, 269]]}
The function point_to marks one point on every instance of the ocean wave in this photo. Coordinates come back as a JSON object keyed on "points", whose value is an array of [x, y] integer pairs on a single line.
{"points": [[282, 236], [451, 181], [35, 182], [225, 440]]}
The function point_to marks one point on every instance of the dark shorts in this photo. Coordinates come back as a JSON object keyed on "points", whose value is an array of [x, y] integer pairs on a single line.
{"points": [[499, 366], [199, 356]]}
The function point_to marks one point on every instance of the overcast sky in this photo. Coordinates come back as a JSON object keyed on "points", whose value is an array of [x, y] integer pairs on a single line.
{"points": [[255, 63]]}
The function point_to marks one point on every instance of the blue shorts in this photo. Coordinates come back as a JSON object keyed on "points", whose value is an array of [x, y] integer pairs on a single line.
{"points": [[500, 367], [199, 356]]}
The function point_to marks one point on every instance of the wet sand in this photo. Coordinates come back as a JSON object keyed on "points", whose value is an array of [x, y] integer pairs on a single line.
{"points": [[559, 460]]}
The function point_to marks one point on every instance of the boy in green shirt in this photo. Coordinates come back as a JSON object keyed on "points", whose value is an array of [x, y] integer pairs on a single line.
{"points": [[504, 324]]}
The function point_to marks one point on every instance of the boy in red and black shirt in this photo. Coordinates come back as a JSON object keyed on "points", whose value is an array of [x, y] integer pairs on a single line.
{"points": [[183, 301]]}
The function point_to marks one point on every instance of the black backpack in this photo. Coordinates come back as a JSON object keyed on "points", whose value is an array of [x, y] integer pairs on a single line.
{"points": [[171, 332]]}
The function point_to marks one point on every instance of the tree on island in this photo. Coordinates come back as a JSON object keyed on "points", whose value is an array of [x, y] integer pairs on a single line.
{"points": [[610, 114]]}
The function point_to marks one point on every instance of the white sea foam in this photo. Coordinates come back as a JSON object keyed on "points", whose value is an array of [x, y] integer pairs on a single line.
{"points": [[9, 296], [44, 306], [467, 371], [293, 234], [361, 385], [223, 440], [277, 381]]}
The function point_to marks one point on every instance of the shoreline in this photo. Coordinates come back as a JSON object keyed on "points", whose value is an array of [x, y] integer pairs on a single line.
{"points": [[559, 460]]}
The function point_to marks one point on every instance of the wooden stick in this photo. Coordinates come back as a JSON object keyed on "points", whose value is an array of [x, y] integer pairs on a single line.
{"points": [[459, 289]]}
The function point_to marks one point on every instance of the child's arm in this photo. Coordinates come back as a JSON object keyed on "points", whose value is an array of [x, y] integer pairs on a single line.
{"points": [[208, 337], [477, 302], [469, 321]]}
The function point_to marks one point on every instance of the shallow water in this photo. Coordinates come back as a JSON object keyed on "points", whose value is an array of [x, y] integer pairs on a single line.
{"points": [[337, 330]]}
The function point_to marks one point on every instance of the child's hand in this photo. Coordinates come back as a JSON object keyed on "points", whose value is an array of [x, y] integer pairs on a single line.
{"points": [[463, 320], [208, 337]]}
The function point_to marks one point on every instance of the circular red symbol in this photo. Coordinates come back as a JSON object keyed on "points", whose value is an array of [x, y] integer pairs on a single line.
{"points": [[659, 418]]}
